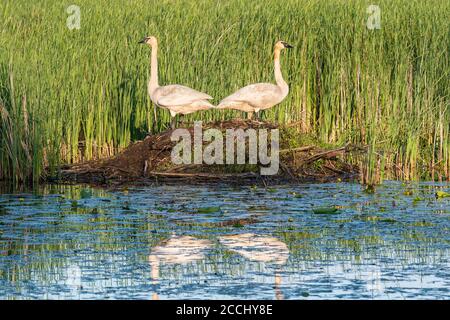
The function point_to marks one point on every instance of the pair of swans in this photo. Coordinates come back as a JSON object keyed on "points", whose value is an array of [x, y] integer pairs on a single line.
{"points": [[183, 100]]}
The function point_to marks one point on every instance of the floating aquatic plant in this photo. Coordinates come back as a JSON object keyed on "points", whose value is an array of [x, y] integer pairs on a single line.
{"points": [[208, 210], [442, 194], [326, 210]]}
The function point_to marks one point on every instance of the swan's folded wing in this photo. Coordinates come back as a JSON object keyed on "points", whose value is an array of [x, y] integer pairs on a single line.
{"points": [[255, 94], [175, 95]]}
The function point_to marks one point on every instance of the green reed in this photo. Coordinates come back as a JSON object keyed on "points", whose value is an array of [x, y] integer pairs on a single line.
{"points": [[71, 95]]}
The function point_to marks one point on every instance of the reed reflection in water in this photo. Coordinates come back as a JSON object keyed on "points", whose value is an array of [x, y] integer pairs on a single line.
{"points": [[210, 242]]}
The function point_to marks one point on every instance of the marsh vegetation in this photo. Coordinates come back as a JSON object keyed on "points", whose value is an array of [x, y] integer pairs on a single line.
{"points": [[387, 89]]}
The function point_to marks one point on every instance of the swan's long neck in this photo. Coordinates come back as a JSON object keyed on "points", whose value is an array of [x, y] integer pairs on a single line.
{"points": [[278, 75], [153, 83]]}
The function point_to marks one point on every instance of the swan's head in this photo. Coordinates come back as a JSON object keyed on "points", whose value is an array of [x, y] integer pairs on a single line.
{"points": [[282, 45], [151, 41]]}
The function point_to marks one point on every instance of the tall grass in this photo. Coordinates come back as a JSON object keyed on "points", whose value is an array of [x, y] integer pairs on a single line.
{"points": [[387, 88]]}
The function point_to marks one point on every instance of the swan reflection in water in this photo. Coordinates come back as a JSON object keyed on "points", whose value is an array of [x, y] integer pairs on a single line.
{"points": [[258, 248], [187, 249], [176, 250]]}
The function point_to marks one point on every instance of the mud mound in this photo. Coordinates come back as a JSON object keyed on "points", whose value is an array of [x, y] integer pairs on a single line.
{"points": [[150, 160]]}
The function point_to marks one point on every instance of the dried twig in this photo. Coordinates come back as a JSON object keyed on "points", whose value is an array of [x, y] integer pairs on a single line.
{"points": [[299, 149], [327, 154]]}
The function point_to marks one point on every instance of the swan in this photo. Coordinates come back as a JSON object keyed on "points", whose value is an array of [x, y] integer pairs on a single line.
{"points": [[176, 98], [260, 96]]}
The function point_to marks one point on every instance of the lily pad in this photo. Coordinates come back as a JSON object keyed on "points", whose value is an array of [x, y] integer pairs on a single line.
{"points": [[296, 195], [305, 294], [442, 194], [208, 210], [326, 210], [408, 192], [422, 223], [417, 199], [387, 220]]}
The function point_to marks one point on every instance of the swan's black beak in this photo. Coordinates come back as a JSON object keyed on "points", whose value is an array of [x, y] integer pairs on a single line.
{"points": [[142, 41], [287, 45]]}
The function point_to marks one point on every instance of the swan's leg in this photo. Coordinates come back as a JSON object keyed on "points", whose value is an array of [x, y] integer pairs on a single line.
{"points": [[249, 115], [155, 117], [257, 116], [173, 122]]}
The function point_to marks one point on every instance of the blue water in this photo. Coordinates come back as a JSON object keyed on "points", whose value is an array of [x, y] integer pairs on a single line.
{"points": [[221, 242]]}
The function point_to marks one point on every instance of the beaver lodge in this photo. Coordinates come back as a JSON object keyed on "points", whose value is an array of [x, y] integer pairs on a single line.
{"points": [[149, 161]]}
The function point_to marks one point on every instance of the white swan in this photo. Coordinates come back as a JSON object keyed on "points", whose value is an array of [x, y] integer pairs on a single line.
{"points": [[260, 96], [176, 98]]}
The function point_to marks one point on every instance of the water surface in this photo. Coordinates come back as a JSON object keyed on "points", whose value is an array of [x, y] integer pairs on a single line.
{"points": [[221, 242]]}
